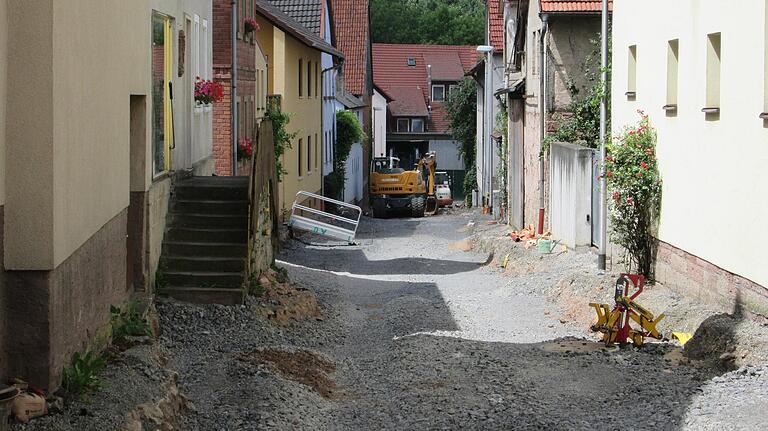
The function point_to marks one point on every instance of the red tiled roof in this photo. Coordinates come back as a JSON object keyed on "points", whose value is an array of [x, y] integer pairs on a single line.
{"points": [[575, 6], [350, 19], [446, 66], [496, 24], [391, 70], [407, 102]]}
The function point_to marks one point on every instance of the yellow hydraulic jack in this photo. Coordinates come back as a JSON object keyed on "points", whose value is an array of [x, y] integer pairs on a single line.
{"points": [[615, 323]]}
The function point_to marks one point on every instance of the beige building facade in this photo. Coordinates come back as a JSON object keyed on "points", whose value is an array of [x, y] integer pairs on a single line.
{"points": [[701, 76], [82, 196]]}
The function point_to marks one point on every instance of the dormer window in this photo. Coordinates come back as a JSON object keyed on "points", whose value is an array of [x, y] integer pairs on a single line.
{"points": [[417, 125], [411, 61], [438, 93], [403, 125]]}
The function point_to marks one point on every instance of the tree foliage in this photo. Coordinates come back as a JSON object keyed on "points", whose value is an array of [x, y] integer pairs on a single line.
{"points": [[462, 112], [280, 134], [349, 131], [435, 22], [581, 126]]}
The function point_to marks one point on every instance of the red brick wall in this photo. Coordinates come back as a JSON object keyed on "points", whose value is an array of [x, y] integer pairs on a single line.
{"points": [[222, 66], [697, 278]]}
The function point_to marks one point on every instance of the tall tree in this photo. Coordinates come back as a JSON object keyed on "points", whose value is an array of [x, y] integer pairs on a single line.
{"points": [[437, 22]]}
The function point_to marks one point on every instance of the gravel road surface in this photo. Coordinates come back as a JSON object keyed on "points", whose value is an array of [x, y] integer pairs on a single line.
{"points": [[418, 333]]}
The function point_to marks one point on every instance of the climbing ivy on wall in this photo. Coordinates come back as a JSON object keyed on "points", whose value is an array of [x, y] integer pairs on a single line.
{"points": [[281, 135]]}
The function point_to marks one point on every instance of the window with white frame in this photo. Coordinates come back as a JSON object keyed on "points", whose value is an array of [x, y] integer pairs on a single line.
{"points": [[632, 71], [452, 89], [438, 93], [417, 125], [713, 74], [204, 50], [197, 50], [403, 125], [673, 52]]}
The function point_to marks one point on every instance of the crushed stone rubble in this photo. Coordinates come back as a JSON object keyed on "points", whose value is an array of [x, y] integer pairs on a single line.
{"points": [[421, 329]]}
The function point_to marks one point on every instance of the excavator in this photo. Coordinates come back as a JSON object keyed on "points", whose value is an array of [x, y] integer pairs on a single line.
{"points": [[395, 189]]}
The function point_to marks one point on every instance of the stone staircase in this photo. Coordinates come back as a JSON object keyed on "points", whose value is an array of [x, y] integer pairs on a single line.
{"points": [[205, 244]]}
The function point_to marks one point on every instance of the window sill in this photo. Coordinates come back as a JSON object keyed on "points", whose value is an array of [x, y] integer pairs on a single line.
{"points": [[631, 94], [710, 110], [161, 176], [670, 108], [764, 115]]}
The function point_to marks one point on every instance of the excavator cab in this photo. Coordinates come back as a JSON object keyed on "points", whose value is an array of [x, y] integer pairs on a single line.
{"points": [[392, 188]]}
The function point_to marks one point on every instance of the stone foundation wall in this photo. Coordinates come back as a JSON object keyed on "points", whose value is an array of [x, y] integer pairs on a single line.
{"points": [[697, 278], [157, 213], [52, 314]]}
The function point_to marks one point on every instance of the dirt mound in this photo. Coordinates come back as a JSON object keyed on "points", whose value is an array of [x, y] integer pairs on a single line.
{"points": [[283, 303], [303, 366], [463, 245], [715, 341]]}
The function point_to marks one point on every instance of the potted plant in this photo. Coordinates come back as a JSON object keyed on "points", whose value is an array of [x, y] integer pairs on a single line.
{"points": [[245, 149], [250, 25], [207, 92]]}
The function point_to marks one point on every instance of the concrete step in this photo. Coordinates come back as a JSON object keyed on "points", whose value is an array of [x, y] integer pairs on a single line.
{"points": [[204, 279], [213, 264], [197, 295], [205, 249], [210, 221], [219, 191], [192, 234], [210, 207]]}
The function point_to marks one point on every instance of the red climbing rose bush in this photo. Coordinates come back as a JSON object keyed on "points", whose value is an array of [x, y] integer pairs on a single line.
{"points": [[634, 186]]}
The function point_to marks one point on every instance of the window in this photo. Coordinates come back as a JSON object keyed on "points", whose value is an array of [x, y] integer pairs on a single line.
{"points": [[204, 51], [309, 79], [632, 72], [417, 125], [317, 153], [309, 153], [301, 144], [317, 79], [535, 53], [713, 74], [301, 79], [438, 93], [402, 124], [452, 89], [198, 49], [411, 61], [263, 91], [672, 66], [162, 69], [764, 115]]}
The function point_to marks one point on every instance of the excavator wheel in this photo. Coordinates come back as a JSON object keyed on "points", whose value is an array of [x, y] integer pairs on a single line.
{"points": [[417, 206]]}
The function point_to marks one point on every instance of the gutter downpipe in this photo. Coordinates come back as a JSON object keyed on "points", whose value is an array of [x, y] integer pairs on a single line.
{"points": [[542, 115], [233, 102], [603, 134]]}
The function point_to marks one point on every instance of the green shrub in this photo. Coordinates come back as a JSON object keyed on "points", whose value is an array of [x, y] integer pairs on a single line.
{"points": [[128, 322], [82, 375], [634, 182]]}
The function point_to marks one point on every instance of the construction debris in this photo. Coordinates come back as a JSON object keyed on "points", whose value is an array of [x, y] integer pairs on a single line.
{"points": [[530, 237], [615, 323]]}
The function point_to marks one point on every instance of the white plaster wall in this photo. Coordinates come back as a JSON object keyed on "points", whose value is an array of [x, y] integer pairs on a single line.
{"points": [[379, 124], [329, 93], [353, 185], [448, 157], [714, 201]]}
